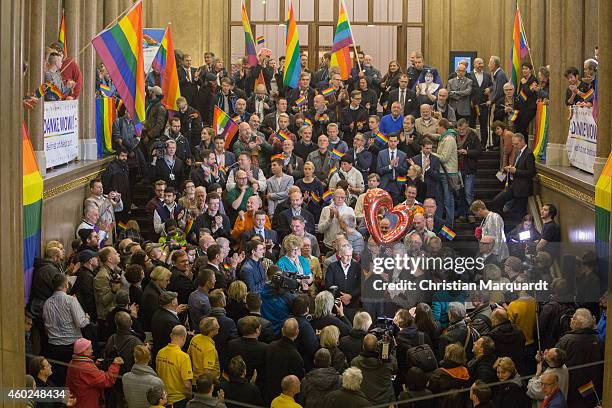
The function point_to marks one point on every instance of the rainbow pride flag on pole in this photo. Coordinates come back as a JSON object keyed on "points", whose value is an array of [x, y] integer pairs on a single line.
{"points": [[105, 117], [292, 51], [32, 209], [61, 37], [587, 389], [165, 64], [224, 125], [541, 132], [327, 196], [343, 39], [518, 51], [120, 49], [248, 38]]}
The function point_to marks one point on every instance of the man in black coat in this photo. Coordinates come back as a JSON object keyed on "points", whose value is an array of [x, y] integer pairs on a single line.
{"points": [[481, 81], [408, 337], [250, 349], [282, 359], [191, 122], [212, 219], [117, 178], [405, 96], [169, 167], [307, 341], [296, 207], [481, 366], [83, 287], [346, 275], [320, 381], [227, 327], [520, 182], [509, 339], [44, 271], [164, 319], [353, 118], [253, 303], [582, 347], [238, 388], [188, 78], [180, 282], [363, 160]]}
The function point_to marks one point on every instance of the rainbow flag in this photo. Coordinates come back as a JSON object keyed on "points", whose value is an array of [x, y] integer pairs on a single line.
{"points": [[587, 389], [343, 39], [327, 196], [261, 39], [447, 233], [401, 180], [315, 197], [224, 125], [188, 226], [120, 49], [595, 101], [328, 91], [32, 209], [105, 117], [519, 49], [292, 51], [54, 90], [40, 91], [105, 90], [277, 156], [603, 208], [299, 102], [61, 37], [260, 80], [541, 132], [523, 95], [336, 154], [164, 64], [223, 170], [122, 225], [331, 172], [248, 38], [382, 138], [307, 122], [586, 96], [283, 135], [514, 115]]}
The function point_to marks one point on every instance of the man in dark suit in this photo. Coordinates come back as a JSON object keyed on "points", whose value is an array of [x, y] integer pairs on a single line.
{"points": [[405, 96], [180, 282], [430, 166], [260, 103], [251, 349], [496, 90], [225, 98], [169, 168], [282, 359], [259, 228], [215, 257], [296, 207], [227, 327], [392, 163], [217, 223], [269, 123], [164, 319], [520, 184], [188, 77], [303, 89], [223, 158], [481, 81], [345, 273]]}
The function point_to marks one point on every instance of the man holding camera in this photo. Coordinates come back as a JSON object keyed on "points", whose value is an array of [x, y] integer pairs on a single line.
{"points": [[107, 282], [346, 275]]}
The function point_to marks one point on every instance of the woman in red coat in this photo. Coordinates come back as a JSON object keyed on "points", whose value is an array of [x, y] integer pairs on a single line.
{"points": [[85, 381]]}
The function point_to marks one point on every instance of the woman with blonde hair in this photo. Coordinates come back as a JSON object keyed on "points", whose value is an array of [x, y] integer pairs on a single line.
{"points": [[511, 393], [236, 300], [160, 278], [293, 261], [329, 339]]}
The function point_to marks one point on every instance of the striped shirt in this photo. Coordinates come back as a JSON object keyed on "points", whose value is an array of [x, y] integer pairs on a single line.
{"points": [[64, 318]]}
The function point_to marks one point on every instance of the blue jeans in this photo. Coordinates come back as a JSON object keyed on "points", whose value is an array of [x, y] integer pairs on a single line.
{"points": [[466, 200], [449, 201]]}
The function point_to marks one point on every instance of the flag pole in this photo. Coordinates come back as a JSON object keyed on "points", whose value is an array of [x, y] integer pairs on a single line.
{"points": [[526, 42], [352, 37]]}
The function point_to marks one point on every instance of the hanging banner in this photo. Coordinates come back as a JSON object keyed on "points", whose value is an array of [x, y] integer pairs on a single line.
{"points": [[61, 132], [151, 40], [582, 139]]}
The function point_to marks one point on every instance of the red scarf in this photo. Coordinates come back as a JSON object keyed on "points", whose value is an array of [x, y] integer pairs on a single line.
{"points": [[547, 399]]}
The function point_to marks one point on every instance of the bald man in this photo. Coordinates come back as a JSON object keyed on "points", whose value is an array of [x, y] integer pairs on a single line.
{"points": [[290, 386], [377, 384], [283, 359], [259, 103], [552, 392]]}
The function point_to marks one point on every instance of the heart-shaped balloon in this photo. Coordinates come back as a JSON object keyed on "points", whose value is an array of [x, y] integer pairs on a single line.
{"points": [[378, 199]]}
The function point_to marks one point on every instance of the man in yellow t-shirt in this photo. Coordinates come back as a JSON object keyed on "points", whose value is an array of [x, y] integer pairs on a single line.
{"points": [[174, 368], [202, 349], [290, 386]]}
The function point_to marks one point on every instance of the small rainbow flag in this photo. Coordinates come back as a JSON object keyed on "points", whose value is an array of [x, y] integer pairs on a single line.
{"points": [[300, 101], [382, 138], [188, 226], [336, 154], [122, 225], [283, 135], [224, 125], [523, 95], [105, 90], [315, 197], [278, 156], [227, 266], [332, 171], [327, 196], [223, 170], [307, 122], [586, 96], [61, 36], [261, 39], [448, 233], [401, 180], [53, 90], [328, 91], [514, 115], [587, 389], [40, 91]]}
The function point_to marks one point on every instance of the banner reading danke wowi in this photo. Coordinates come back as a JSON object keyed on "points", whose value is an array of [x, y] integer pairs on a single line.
{"points": [[582, 139], [61, 132]]}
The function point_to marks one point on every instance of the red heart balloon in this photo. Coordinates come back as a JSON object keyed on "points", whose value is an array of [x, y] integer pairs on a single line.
{"points": [[377, 199]]}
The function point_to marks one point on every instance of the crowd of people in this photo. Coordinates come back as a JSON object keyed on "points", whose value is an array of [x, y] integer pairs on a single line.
{"points": [[252, 280]]}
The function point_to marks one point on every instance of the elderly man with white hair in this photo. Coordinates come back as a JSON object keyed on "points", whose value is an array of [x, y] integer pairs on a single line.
{"points": [[350, 395], [345, 273], [582, 346], [329, 223]]}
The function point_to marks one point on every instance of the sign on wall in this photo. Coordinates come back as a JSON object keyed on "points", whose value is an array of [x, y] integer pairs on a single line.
{"points": [[582, 139], [61, 132]]}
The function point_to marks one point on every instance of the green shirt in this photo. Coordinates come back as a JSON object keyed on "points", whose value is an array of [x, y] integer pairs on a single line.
{"points": [[233, 194]]}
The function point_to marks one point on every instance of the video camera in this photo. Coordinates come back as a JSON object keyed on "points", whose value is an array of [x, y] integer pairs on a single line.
{"points": [[287, 281], [384, 331]]}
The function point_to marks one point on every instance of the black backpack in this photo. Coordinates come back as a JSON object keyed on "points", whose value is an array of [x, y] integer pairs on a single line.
{"points": [[421, 355], [565, 316]]}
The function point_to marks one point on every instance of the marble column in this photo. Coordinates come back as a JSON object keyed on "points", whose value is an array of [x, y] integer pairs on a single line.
{"points": [[12, 348], [557, 130], [111, 11], [87, 100], [35, 47], [604, 93]]}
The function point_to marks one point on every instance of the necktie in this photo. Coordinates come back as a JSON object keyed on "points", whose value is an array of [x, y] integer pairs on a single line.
{"points": [[261, 234], [393, 158], [402, 99], [188, 74]]}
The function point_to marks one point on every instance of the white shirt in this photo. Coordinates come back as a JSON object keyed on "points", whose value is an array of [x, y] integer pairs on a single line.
{"points": [[345, 268], [479, 77]]}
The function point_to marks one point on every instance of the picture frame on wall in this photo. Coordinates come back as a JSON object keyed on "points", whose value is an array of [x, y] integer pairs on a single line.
{"points": [[454, 57]]}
